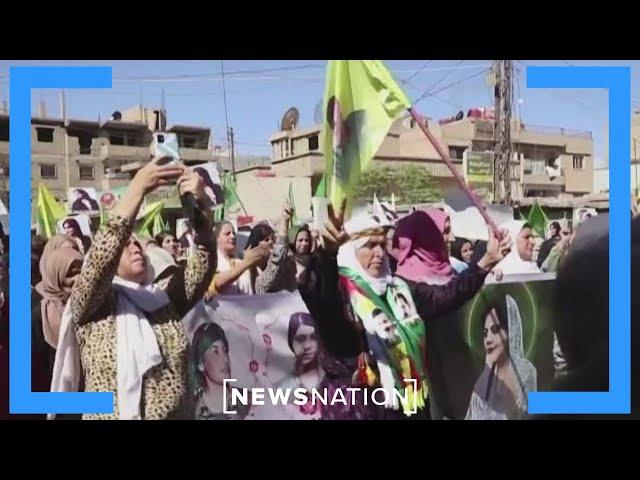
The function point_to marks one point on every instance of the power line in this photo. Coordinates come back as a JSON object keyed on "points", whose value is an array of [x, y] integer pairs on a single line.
{"points": [[446, 87], [460, 62], [435, 96], [416, 72], [235, 75]]}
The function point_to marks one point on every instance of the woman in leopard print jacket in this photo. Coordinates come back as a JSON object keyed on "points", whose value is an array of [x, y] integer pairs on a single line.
{"points": [[116, 254]]}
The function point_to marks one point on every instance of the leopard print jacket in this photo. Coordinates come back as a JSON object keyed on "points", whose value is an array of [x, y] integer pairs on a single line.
{"points": [[93, 303]]}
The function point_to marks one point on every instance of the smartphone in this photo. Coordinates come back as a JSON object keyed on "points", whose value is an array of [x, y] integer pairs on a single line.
{"points": [[166, 145]]}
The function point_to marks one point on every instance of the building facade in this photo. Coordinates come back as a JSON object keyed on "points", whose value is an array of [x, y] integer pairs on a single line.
{"points": [[98, 154], [547, 162]]}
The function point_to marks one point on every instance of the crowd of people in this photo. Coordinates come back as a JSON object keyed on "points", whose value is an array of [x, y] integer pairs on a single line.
{"points": [[106, 313]]}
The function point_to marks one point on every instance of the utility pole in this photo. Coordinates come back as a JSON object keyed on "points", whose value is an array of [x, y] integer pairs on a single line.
{"points": [[503, 94], [63, 114], [233, 154]]}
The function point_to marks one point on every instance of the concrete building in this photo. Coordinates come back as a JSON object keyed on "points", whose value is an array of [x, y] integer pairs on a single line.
{"points": [[601, 175], [539, 151], [103, 155]]}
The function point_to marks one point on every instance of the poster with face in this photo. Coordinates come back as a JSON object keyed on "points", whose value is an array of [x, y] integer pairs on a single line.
{"points": [[488, 355], [83, 200], [77, 226], [109, 198], [582, 214], [483, 359], [212, 184], [262, 341]]}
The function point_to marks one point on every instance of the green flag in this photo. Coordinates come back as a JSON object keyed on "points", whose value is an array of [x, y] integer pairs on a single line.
{"points": [[321, 189], [49, 212], [361, 101], [148, 217], [218, 213], [538, 220], [230, 192], [159, 225], [294, 217], [103, 216]]}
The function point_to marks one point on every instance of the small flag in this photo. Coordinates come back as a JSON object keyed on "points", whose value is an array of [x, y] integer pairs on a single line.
{"points": [[218, 213], [148, 217], [321, 189], [231, 197], [294, 217], [538, 220], [159, 225], [49, 212]]}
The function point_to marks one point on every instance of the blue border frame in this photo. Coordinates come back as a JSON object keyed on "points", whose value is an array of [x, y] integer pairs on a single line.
{"points": [[21, 398], [617, 80]]}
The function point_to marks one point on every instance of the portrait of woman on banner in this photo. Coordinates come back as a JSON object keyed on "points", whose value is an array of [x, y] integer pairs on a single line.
{"points": [[501, 391], [308, 373], [83, 201], [213, 190], [209, 368]]}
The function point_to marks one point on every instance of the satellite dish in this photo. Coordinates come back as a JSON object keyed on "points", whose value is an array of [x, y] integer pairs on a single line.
{"points": [[290, 119], [460, 115], [317, 113], [116, 115]]}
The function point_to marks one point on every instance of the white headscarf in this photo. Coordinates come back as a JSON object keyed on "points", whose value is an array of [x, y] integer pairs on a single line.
{"points": [[159, 262], [137, 345], [347, 258], [512, 263]]}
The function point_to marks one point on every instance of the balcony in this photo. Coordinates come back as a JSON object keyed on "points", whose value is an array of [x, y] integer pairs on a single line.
{"points": [[544, 180], [189, 155], [124, 152], [117, 176]]}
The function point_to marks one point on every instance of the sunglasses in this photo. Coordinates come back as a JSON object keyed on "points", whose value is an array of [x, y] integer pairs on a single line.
{"points": [[495, 329]]}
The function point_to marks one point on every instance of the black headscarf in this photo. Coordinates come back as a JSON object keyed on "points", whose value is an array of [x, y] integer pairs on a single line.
{"points": [[582, 309]]}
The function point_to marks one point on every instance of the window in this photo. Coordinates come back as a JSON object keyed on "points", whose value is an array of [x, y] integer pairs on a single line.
{"points": [[534, 167], [86, 172], [455, 152], [45, 135], [313, 143], [188, 141], [292, 144], [85, 144], [48, 170], [4, 132], [578, 162], [117, 139], [123, 138]]}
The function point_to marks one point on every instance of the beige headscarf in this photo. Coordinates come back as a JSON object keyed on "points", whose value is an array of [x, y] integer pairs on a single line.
{"points": [[54, 266]]}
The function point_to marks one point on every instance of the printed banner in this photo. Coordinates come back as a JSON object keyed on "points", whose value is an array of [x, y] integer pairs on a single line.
{"points": [[482, 359], [252, 342], [486, 356]]}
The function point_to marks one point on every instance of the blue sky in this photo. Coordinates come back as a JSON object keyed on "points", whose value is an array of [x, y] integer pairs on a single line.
{"points": [[260, 91]]}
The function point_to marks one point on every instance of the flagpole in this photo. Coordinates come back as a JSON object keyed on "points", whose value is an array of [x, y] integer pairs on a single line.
{"points": [[240, 202], [461, 181]]}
